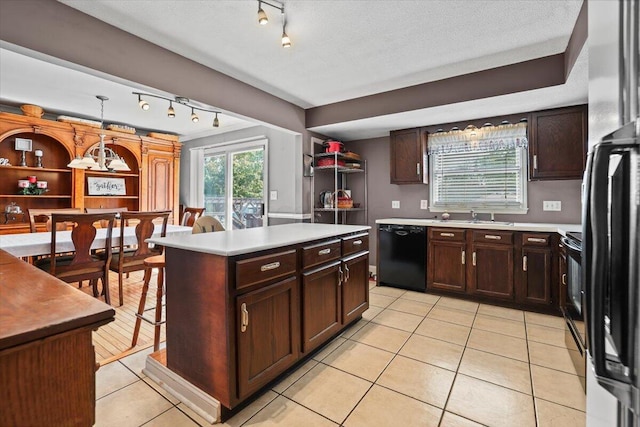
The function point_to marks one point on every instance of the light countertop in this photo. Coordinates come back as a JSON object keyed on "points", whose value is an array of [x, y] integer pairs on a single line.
{"points": [[238, 242], [485, 225]]}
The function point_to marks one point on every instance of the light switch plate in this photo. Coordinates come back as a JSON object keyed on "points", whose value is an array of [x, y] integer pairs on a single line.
{"points": [[551, 205], [424, 204], [273, 195], [395, 204]]}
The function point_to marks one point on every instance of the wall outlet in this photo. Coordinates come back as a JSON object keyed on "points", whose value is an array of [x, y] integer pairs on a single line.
{"points": [[424, 204], [395, 204], [551, 205], [273, 195]]}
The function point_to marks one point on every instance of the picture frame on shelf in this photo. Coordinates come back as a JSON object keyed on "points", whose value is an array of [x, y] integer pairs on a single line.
{"points": [[99, 186]]}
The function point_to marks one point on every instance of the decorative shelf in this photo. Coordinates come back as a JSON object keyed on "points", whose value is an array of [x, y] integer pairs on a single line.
{"points": [[110, 197], [35, 169], [39, 196], [116, 174]]}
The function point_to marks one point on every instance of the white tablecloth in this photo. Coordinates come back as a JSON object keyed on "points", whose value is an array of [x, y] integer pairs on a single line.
{"points": [[32, 244]]}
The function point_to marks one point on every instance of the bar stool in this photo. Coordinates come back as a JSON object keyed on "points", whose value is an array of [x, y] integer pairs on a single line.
{"points": [[156, 261]]}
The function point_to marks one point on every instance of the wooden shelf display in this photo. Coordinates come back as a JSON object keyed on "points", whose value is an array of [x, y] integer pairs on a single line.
{"points": [[146, 189]]}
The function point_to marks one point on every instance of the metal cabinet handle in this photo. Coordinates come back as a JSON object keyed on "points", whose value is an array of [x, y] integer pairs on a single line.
{"points": [[535, 161], [536, 240], [464, 257], [340, 276], [473, 259], [324, 251], [447, 234], [564, 278], [357, 242], [492, 237], [417, 168], [524, 263], [347, 273], [245, 317], [270, 266]]}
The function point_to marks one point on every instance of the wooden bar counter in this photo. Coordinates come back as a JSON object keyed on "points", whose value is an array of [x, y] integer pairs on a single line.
{"points": [[47, 360]]}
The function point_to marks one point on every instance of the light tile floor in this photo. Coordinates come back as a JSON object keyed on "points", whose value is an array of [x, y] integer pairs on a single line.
{"points": [[413, 360]]}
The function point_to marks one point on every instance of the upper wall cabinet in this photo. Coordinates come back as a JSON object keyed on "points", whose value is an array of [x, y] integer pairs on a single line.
{"points": [[408, 154], [558, 143]]}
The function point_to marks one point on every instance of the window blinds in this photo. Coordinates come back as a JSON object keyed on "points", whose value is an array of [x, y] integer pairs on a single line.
{"points": [[479, 169]]}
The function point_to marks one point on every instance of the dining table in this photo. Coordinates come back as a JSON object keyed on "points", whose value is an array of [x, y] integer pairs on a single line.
{"points": [[34, 244]]}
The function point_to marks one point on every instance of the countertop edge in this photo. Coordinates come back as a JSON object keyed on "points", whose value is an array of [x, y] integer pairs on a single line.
{"points": [[516, 226]]}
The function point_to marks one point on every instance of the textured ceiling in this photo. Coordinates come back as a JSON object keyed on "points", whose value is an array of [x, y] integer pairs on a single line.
{"points": [[341, 50]]}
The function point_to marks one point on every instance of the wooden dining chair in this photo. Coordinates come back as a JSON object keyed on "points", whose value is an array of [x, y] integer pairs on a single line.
{"points": [[189, 215], [38, 216], [117, 211], [127, 259], [81, 264], [206, 224]]}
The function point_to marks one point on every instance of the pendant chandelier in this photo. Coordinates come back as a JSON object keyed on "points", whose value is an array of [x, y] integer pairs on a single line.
{"points": [[101, 157]]}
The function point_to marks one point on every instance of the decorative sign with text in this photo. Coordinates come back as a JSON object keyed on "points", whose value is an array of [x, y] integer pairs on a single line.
{"points": [[106, 186]]}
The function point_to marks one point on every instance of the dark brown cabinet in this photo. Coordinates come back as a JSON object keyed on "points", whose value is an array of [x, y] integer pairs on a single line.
{"points": [[321, 303], [408, 154], [491, 269], [447, 259], [558, 143], [355, 287], [267, 334], [535, 269]]}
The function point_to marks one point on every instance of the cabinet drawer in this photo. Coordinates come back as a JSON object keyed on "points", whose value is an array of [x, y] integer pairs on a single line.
{"points": [[447, 234], [252, 271], [493, 236], [536, 239], [320, 253], [353, 244]]}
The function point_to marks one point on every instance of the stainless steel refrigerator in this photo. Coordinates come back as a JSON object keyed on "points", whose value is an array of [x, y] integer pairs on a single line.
{"points": [[610, 221]]}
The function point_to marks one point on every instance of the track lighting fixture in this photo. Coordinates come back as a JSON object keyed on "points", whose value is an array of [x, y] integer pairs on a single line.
{"points": [[262, 16], [143, 104], [171, 112], [263, 20]]}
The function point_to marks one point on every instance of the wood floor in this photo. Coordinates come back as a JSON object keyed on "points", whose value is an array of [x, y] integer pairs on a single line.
{"points": [[113, 340]]}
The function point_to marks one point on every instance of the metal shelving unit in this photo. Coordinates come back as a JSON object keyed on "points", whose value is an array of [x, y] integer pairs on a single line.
{"points": [[340, 174]]}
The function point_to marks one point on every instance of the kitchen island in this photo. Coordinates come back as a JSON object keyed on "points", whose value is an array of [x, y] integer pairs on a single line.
{"points": [[245, 305]]}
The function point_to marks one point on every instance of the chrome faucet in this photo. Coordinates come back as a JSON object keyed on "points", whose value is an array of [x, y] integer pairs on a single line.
{"points": [[474, 216]]}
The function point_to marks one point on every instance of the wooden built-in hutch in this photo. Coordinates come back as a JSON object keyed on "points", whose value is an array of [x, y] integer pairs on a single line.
{"points": [[152, 183]]}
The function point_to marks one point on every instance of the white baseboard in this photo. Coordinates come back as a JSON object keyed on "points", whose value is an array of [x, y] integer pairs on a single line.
{"points": [[200, 402]]}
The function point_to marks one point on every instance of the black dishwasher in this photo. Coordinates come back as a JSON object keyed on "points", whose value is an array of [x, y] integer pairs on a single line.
{"points": [[402, 256]]}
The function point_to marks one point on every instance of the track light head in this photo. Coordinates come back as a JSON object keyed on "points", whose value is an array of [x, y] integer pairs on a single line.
{"points": [[194, 116], [262, 16], [216, 122], [286, 42], [142, 103], [171, 113]]}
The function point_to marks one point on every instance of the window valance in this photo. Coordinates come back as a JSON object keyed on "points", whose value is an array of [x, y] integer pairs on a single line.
{"points": [[489, 138]]}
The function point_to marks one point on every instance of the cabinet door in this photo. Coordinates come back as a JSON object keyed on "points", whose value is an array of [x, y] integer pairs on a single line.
{"points": [[491, 271], [535, 286], [446, 266], [408, 151], [268, 335], [558, 143], [160, 191], [355, 287], [321, 317]]}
